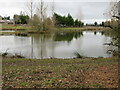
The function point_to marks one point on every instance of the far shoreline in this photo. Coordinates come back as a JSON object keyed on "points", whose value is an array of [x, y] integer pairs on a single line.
{"points": [[27, 29]]}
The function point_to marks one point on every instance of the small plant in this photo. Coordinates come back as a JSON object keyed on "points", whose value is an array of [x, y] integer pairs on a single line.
{"points": [[24, 84], [78, 55], [95, 85], [100, 57], [81, 86], [38, 85]]}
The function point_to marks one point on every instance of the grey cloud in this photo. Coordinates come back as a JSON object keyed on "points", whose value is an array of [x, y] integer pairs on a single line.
{"points": [[90, 10]]}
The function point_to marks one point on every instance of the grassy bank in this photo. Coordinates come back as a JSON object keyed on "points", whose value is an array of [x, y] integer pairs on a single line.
{"points": [[85, 28], [15, 27], [60, 73], [26, 27]]}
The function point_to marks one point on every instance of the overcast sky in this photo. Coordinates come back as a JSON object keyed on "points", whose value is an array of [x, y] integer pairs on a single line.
{"points": [[87, 10]]}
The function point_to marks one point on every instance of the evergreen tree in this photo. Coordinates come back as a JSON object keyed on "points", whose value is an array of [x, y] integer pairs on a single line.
{"points": [[76, 23], [70, 21], [21, 19], [95, 24], [63, 21]]}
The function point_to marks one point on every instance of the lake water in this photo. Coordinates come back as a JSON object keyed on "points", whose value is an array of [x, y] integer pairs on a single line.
{"points": [[57, 45]]}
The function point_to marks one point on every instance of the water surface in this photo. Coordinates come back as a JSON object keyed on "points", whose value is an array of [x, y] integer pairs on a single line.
{"points": [[57, 45]]}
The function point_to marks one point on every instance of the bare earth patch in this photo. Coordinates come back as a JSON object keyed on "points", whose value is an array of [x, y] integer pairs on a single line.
{"points": [[105, 76], [60, 73]]}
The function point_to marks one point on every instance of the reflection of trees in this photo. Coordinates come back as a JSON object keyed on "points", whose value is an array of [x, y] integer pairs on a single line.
{"points": [[21, 45], [42, 42], [95, 33], [39, 45], [32, 47], [109, 33], [114, 34], [52, 45], [67, 36], [42, 45]]}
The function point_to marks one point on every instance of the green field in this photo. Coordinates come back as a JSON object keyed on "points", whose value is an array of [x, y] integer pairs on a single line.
{"points": [[60, 73]]}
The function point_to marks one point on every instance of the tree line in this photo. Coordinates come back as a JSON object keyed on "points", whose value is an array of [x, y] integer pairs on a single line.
{"points": [[60, 21], [6, 18], [21, 19], [96, 24], [67, 21]]}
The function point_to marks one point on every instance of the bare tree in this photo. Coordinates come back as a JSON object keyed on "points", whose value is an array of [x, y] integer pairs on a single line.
{"points": [[112, 13], [80, 14], [40, 20], [53, 11], [41, 12], [115, 24], [31, 7], [113, 9], [53, 7]]}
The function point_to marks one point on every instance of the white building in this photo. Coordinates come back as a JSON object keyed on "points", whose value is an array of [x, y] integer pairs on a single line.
{"points": [[11, 21]]}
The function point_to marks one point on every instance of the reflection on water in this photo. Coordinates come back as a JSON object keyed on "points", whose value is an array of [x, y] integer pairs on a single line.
{"points": [[58, 45], [67, 36]]}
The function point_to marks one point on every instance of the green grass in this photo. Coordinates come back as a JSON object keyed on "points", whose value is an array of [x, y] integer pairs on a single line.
{"points": [[26, 27], [52, 73], [82, 29], [15, 27]]}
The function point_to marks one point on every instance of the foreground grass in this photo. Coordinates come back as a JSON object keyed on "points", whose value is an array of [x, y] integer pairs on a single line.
{"points": [[60, 73]]}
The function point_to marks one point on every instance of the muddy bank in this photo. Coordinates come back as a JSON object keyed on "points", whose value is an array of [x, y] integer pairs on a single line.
{"points": [[8, 55]]}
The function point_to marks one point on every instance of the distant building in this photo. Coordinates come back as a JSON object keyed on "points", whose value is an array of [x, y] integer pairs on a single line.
{"points": [[11, 21], [6, 21], [1, 21]]}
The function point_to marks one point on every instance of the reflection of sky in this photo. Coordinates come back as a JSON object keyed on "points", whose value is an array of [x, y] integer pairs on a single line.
{"points": [[89, 44], [15, 44], [88, 10]]}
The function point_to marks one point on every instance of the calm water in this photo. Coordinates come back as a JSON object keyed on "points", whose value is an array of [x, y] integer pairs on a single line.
{"points": [[57, 45]]}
